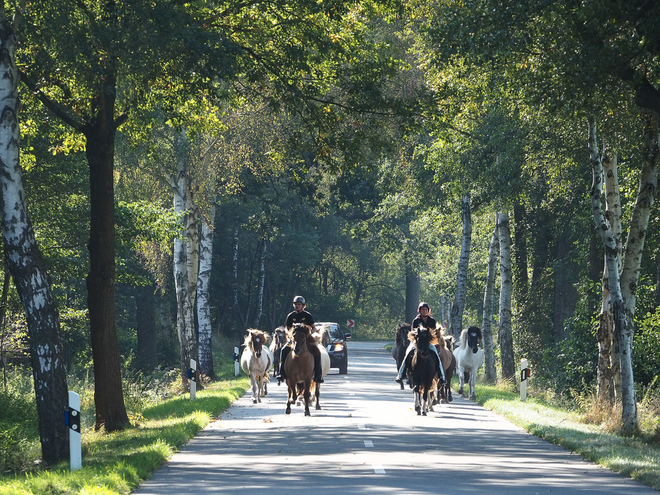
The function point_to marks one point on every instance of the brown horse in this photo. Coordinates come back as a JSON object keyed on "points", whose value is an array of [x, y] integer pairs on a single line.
{"points": [[448, 362], [424, 372], [299, 366]]}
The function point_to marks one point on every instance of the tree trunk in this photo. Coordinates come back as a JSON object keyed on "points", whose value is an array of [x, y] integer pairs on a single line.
{"points": [[505, 335], [629, 406], [489, 299], [203, 297], [147, 342], [565, 293], [184, 266], [262, 282], [236, 310], [27, 267], [648, 184], [412, 293], [461, 279]]}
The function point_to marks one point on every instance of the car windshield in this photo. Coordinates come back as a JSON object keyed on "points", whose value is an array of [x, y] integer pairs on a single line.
{"points": [[335, 333]]}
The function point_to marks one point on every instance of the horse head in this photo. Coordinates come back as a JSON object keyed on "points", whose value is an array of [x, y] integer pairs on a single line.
{"points": [[423, 338], [255, 340], [473, 337], [280, 336], [299, 333], [402, 333]]}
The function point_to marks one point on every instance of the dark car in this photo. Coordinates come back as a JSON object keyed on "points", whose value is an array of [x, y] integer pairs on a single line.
{"points": [[336, 345]]}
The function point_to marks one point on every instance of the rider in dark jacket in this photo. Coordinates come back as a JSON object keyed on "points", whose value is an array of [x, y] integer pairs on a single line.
{"points": [[425, 319], [300, 315]]}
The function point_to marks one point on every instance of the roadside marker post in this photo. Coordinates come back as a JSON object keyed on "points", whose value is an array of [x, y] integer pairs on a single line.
{"points": [[192, 374], [72, 420], [524, 375], [235, 361]]}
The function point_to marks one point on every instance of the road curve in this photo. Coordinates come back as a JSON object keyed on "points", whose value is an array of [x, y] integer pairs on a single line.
{"points": [[368, 439]]}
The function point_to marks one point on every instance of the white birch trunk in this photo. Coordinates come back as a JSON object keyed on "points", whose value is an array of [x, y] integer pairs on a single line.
{"points": [[262, 283], [629, 406], [203, 297], [487, 324], [27, 267], [461, 279], [609, 364], [506, 289], [186, 262]]}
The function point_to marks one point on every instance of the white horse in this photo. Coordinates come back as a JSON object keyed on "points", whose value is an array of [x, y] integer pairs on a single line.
{"points": [[256, 360], [469, 358]]}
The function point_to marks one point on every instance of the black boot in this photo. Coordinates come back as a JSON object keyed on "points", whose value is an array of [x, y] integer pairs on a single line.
{"points": [[318, 373], [283, 354]]}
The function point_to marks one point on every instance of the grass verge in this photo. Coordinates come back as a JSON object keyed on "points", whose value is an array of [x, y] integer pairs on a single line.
{"points": [[115, 463], [630, 456]]}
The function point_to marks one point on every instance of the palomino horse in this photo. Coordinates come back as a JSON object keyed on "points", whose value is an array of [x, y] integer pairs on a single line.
{"points": [[400, 345], [256, 360], [315, 390], [299, 366], [279, 340], [424, 372], [469, 359], [448, 362]]}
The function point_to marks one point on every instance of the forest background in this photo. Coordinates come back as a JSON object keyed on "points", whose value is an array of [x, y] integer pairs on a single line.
{"points": [[214, 160]]}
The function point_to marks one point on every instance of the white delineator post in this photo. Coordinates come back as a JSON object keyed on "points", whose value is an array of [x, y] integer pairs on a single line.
{"points": [[236, 357], [73, 422], [192, 374], [524, 375]]}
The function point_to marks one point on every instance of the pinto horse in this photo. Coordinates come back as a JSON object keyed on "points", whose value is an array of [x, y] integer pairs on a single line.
{"points": [[256, 360], [279, 341], [400, 345], [469, 359], [299, 366], [448, 362], [424, 368]]}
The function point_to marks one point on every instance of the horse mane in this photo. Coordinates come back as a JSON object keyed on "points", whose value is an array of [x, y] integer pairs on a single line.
{"points": [[253, 332], [440, 335], [433, 340], [319, 334], [290, 331]]}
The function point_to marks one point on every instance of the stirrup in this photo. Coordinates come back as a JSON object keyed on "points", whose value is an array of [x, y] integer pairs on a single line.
{"points": [[398, 380]]}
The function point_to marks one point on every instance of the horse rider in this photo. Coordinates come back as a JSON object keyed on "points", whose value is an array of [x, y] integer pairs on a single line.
{"points": [[300, 315], [425, 319]]}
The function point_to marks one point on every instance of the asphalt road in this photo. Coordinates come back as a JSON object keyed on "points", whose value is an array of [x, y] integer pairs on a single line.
{"points": [[368, 439]]}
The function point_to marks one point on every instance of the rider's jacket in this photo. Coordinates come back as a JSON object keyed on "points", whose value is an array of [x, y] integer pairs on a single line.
{"points": [[430, 322], [300, 317]]}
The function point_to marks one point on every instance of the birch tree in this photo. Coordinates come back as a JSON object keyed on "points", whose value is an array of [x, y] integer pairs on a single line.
{"points": [[27, 266], [489, 299], [461, 278], [506, 288], [203, 295]]}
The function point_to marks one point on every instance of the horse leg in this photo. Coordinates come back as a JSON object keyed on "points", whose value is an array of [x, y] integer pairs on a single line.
{"points": [[317, 394], [255, 392], [417, 400], [461, 380], [306, 398], [473, 383]]}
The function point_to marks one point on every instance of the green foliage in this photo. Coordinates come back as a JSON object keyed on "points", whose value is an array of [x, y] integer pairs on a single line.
{"points": [[19, 434], [646, 348]]}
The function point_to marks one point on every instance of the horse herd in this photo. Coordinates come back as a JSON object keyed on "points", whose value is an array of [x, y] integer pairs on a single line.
{"points": [[421, 371], [257, 359]]}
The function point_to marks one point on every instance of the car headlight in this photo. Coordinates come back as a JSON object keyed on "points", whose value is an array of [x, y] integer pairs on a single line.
{"points": [[339, 347]]}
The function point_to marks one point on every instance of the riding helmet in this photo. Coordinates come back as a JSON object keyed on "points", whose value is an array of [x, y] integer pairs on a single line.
{"points": [[299, 299], [423, 305]]}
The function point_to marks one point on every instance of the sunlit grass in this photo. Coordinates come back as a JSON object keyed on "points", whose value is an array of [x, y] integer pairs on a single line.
{"points": [[115, 463], [630, 456]]}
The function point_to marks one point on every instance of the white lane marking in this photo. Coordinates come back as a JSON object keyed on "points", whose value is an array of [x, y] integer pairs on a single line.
{"points": [[378, 469], [362, 427], [368, 443]]}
